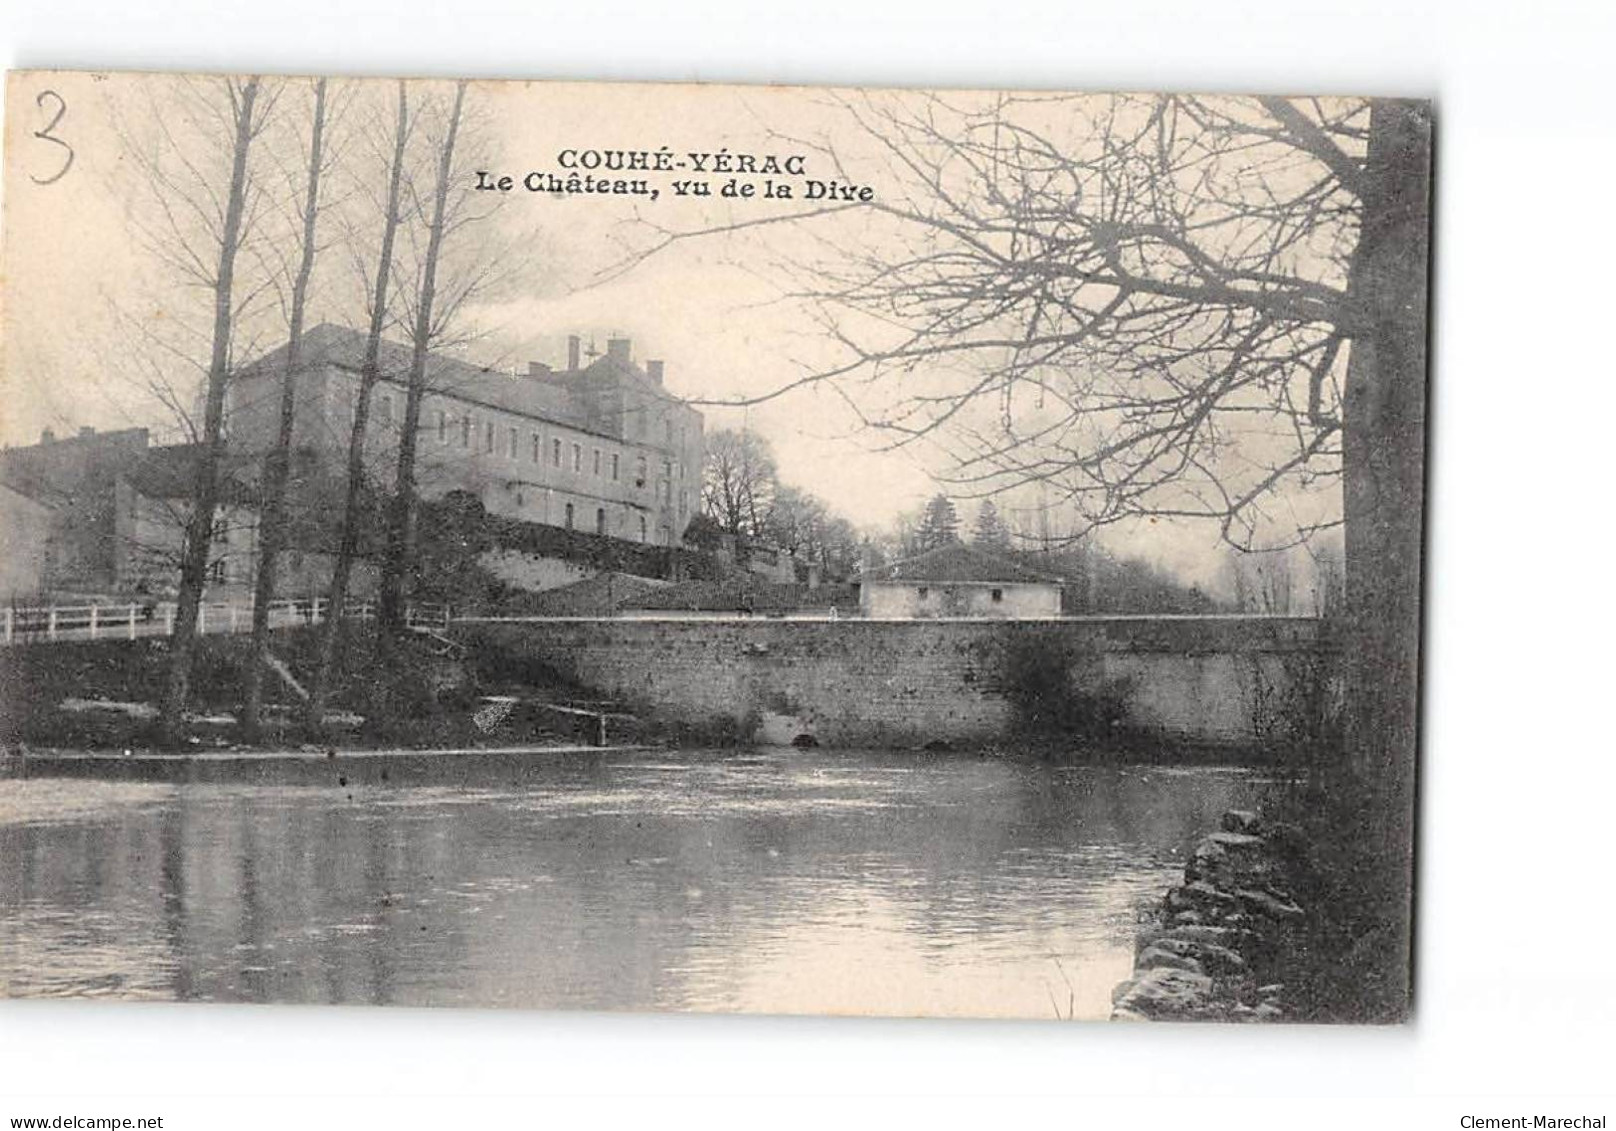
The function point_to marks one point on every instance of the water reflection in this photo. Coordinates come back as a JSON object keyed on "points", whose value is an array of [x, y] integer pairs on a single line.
{"points": [[789, 881]]}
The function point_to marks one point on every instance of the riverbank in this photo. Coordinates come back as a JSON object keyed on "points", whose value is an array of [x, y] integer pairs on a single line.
{"points": [[420, 693], [1228, 941]]}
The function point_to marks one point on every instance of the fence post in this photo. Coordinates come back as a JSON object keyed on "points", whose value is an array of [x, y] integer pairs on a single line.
{"points": [[168, 620], [8, 624], [131, 622], [95, 619], [50, 632], [201, 617]]}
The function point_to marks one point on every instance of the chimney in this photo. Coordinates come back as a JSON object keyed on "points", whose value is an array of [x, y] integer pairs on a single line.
{"points": [[653, 370], [538, 369], [47, 437], [86, 430], [618, 349], [574, 344]]}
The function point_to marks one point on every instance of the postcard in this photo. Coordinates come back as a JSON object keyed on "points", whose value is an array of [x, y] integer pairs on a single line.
{"points": [[711, 548]]}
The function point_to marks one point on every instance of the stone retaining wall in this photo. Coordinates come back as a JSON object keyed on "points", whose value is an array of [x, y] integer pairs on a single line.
{"points": [[902, 683]]}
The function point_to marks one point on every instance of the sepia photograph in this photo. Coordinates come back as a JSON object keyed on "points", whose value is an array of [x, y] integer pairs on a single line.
{"points": [[710, 548]]}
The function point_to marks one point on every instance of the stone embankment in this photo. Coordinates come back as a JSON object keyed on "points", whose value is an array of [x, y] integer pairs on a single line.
{"points": [[1225, 936]]}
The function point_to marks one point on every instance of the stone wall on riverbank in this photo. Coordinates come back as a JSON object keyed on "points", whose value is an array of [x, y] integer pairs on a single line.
{"points": [[1225, 938], [1214, 680]]}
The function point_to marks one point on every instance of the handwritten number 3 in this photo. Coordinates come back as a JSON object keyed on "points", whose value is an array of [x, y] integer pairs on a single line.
{"points": [[46, 135]]}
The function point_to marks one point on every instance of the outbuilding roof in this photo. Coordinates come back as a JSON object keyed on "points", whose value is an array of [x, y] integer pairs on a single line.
{"points": [[958, 564]]}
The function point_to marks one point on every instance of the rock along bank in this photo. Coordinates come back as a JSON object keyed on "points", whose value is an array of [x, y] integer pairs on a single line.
{"points": [[1225, 938]]}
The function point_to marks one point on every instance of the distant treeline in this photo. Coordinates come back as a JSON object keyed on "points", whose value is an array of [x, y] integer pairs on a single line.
{"points": [[1098, 582]]}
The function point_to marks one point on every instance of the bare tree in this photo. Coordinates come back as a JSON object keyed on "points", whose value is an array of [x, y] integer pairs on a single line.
{"points": [[369, 374], [243, 111], [1165, 306], [402, 508], [738, 483], [1263, 582], [277, 462]]}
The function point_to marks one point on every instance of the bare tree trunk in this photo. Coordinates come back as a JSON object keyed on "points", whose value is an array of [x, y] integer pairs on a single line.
{"points": [[277, 464], [369, 373], [1383, 462], [401, 523], [199, 525]]}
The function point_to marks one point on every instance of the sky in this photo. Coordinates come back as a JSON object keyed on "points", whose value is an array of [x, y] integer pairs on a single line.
{"points": [[94, 319]]}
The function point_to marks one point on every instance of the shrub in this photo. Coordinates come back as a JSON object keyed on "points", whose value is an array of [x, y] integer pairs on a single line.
{"points": [[1038, 683]]}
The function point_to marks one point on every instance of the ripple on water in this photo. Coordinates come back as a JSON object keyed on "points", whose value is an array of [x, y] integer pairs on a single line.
{"points": [[771, 882]]}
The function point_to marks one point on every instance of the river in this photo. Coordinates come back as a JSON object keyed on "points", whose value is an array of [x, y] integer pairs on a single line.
{"points": [[778, 881]]}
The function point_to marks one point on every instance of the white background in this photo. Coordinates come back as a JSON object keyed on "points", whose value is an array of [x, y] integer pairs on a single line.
{"points": [[1516, 993]]}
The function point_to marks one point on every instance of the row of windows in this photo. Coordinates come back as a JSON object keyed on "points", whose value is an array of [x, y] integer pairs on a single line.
{"points": [[465, 429]]}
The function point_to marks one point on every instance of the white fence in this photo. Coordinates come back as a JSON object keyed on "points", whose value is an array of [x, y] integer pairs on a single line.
{"points": [[25, 625]]}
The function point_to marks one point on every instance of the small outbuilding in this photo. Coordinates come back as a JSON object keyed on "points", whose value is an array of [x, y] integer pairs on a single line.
{"points": [[958, 581]]}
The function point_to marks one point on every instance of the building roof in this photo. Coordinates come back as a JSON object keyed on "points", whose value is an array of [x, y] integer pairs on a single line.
{"points": [[170, 473], [557, 396], [744, 593], [62, 470], [958, 564]]}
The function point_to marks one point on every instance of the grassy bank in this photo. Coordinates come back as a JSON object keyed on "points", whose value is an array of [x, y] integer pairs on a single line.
{"points": [[406, 695]]}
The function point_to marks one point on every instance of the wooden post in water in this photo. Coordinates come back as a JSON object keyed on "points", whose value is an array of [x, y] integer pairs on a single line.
{"points": [[131, 622], [94, 619]]}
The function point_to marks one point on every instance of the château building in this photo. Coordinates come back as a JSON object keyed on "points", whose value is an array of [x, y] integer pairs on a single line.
{"points": [[600, 447]]}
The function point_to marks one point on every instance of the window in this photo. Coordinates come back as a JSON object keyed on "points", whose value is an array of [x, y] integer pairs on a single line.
{"points": [[998, 594], [387, 408], [511, 440], [569, 516], [555, 452], [488, 436], [219, 572], [597, 461], [465, 431], [616, 459], [667, 430], [538, 448], [600, 520], [684, 503], [639, 472], [924, 592], [443, 427], [642, 528], [577, 457]]}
